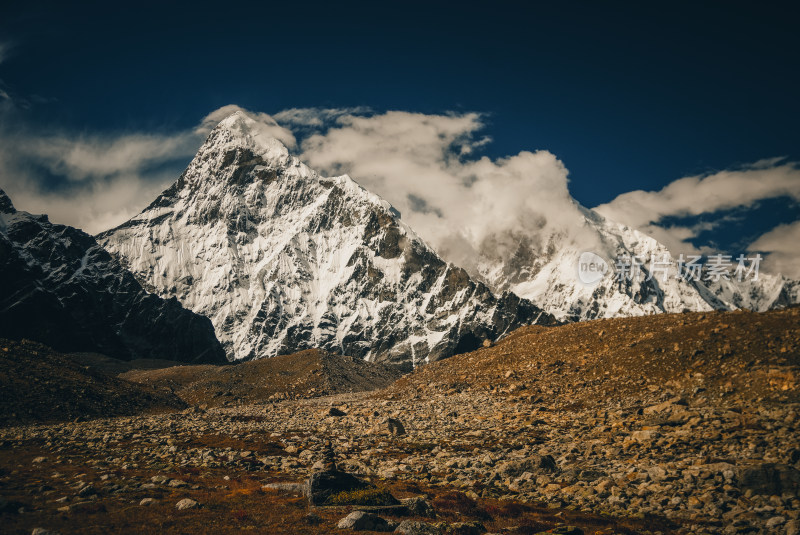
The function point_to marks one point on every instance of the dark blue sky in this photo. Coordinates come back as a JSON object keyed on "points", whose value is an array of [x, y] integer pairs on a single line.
{"points": [[630, 97]]}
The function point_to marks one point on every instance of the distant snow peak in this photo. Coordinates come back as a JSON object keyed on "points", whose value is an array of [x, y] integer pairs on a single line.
{"points": [[543, 270]]}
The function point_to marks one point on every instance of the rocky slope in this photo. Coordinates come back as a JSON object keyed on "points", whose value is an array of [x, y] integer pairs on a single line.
{"points": [[310, 373], [544, 269], [727, 357], [61, 288], [38, 384], [282, 259], [672, 423]]}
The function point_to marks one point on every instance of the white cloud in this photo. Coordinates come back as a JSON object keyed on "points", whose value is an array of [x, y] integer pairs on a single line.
{"points": [[109, 178], [267, 123], [697, 195], [315, 117], [707, 194], [94, 157], [98, 206], [466, 208], [781, 245]]}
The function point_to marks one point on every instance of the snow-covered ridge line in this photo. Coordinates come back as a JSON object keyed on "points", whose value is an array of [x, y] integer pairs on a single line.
{"points": [[548, 277]]}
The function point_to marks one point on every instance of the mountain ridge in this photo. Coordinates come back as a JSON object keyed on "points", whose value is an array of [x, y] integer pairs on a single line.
{"points": [[61, 288], [282, 259]]}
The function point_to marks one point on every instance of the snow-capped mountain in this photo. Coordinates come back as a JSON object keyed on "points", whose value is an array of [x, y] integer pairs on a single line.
{"points": [[283, 259], [547, 273], [61, 288]]}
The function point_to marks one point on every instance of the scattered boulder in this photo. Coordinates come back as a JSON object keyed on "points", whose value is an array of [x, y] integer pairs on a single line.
{"points": [[396, 427], [333, 411], [299, 488], [186, 503], [87, 490], [323, 484], [362, 521], [533, 464], [775, 522]]}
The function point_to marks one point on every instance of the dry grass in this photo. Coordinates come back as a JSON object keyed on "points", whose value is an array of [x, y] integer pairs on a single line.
{"points": [[362, 497]]}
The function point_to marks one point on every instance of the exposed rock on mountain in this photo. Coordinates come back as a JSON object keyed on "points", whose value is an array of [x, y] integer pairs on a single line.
{"points": [[60, 288]]}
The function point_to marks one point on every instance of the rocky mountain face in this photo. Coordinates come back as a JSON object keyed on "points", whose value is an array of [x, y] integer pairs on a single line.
{"points": [[546, 272], [282, 259], [60, 288]]}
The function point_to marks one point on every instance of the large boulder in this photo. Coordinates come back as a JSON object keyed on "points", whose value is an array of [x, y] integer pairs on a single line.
{"points": [[769, 478], [323, 484]]}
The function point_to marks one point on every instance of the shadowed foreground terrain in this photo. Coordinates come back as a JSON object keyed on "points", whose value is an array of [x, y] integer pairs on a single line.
{"points": [[38, 384], [665, 424]]}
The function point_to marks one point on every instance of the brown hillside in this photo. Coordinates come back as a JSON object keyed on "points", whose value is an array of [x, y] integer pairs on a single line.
{"points": [[310, 373], [38, 384], [720, 356]]}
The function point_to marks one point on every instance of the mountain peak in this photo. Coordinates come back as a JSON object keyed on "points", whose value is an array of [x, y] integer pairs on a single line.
{"points": [[239, 131], [6, 207], [282, 259]]}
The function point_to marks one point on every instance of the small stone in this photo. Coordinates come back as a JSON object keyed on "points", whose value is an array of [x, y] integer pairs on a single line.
{"points": [[177, 483], [88, 490], [775, 521], [147, 501], [38, 460], [42, 531], [186, 503], [333, 411]]}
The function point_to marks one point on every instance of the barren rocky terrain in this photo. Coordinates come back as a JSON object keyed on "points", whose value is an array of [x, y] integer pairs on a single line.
{"points": [[669, 424]]}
